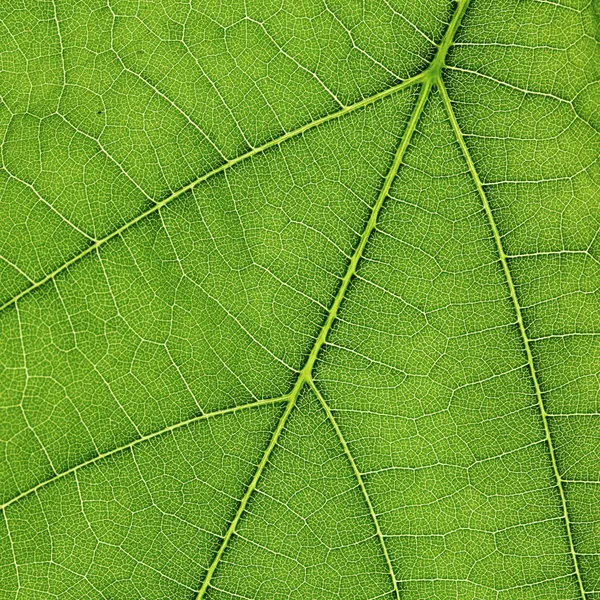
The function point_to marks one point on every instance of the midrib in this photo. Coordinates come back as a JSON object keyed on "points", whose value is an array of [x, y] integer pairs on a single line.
{"points": [[305, 375], [429, 77]]}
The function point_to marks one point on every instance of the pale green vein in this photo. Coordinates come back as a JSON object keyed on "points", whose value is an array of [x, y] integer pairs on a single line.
{"points": [[305, 375], [12, 550], [439, 61], [524, 336], [370, 226], [351, 271], [11, 264], [220, 169], [361, 484], [139, 440]]}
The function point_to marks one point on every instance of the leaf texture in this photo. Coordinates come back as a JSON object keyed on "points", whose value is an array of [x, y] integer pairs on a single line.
{"points": [[300, 300]]}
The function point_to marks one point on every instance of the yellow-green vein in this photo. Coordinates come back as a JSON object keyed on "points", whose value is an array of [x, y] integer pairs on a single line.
{"points": [[518, 312], [305, 375], [370, 226], [251, 487]]}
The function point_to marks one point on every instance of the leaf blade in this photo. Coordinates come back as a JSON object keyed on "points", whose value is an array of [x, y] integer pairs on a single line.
{"points": [[202, 308]]}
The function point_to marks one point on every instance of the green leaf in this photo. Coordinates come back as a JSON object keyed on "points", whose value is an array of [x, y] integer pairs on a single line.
{"points": [[300, 300]]}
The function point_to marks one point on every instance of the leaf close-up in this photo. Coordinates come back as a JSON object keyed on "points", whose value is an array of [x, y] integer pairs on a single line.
{"points": [[300, 300]]}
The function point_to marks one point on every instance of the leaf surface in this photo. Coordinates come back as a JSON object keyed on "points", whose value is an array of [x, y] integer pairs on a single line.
{"points": [[300, 300]]}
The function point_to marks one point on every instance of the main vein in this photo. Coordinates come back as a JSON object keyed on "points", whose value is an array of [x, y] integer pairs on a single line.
{"points": [[305, 375], [521, 324], [428, 77], [220, 169]]}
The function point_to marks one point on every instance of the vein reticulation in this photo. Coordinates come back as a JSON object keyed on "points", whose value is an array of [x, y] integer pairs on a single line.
{"points": [[299, 300]]}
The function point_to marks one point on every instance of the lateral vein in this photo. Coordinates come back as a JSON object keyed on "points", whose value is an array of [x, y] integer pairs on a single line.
{"points": [[370, 226], [517, 308], [350, 273], [361, 484], [220, 169], [135, 442]]}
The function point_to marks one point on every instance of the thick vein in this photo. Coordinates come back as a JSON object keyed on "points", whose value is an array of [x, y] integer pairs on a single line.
{"points": [[370, 226], [137, 441], [518, 311], [220, 169], [305, 375]]}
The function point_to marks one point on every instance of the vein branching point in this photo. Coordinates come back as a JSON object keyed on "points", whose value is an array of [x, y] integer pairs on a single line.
{"points": [[356, 360]]}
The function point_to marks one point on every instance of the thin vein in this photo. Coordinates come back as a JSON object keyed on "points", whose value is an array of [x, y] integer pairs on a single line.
{"points": [[12, 551], [409, 22], [566, 335], [173, 104], [73, 404], [139, 440], [220, 169], [206, 341], [555, 253], [511, 86], [524, 336], [24, 394], [49, 204], [361, 484], [20, 271], [295, 61]]}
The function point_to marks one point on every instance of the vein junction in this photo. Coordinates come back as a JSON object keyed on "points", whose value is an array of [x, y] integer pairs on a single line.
{"points": [[430, 77], [427, 80]]}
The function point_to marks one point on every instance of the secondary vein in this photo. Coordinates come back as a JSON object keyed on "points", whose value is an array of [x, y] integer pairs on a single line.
{"points": [[137, 441], [370, 226], [518, 312], [220, 169]]}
